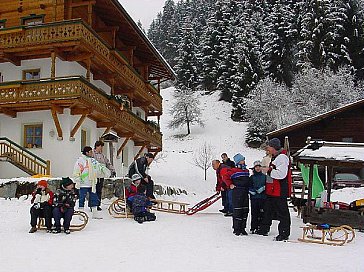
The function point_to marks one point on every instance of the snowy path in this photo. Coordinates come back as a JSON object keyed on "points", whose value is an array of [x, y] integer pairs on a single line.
{"points": [[203, 242]]}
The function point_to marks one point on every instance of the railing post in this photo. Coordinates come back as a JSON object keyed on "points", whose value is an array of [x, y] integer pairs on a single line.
{"points": [[48, 167]]}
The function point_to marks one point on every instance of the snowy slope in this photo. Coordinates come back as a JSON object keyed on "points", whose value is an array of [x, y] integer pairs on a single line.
{"points": [[220, 131]]}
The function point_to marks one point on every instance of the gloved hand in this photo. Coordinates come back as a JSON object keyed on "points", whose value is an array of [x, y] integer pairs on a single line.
{"points": [[252, 192], [113, 174], [261, 189], [36, 205]]}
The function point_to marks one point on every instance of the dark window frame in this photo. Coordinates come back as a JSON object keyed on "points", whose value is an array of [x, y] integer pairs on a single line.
{"points": [[33, 143], [32, 17]]}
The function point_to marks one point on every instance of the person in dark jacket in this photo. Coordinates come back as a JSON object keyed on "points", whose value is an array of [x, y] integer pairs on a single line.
{"points": [[42, 200], [226, 160], [237, 179], [64, 203], [277, 189], [139, 166], [141, 203], [221, 187], [257, 196]]}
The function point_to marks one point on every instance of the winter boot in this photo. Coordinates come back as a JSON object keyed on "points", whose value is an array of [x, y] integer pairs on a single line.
{"points": [[96, 214], [32, 230]]}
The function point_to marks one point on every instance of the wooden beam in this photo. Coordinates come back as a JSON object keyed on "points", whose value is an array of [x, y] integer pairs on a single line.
{"points": [[57, 124], [126, 134], [78, 125], [88, 71], [80, 4], [57, 108], [103, 76], [141, 103], [139, 152], [11, 58], [79, 57], [80, 111], [9, 112], [105, 124], [122, 146]]}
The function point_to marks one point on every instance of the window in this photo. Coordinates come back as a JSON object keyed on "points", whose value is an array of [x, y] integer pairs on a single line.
{"points": [[32, 20], [33, 136], [347, 139], [83, 138], [2, 24], [31, 74]]}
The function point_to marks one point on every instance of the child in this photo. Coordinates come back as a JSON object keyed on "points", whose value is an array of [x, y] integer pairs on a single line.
{"points": [[131, 190], [42, 201], [257, 196], [140, 206], [64, 203], [238, 182]]}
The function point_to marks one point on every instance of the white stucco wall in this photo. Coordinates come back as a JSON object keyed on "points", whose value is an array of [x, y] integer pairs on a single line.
{"points": [[61, 153]]}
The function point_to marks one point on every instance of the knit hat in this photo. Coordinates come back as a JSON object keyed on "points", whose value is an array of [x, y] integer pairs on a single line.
{"points": [[136, 177], [238, 158], [275, 143], [256, 163], [66, 182], [43, 183]]}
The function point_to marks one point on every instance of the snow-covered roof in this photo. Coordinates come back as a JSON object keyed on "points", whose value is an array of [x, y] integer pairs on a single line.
{"points": [[316, 118], [332, 152]]}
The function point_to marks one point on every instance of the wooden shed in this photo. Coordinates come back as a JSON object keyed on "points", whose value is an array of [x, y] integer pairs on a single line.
{"points": [[331, 155], [344, 124]]}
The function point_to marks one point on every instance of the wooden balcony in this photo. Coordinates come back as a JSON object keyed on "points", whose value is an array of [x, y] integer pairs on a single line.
{"points": [[74, 40], [79, 95]]}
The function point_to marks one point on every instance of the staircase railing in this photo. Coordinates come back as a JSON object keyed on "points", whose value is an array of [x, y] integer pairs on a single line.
{"points": [[23, 158]]}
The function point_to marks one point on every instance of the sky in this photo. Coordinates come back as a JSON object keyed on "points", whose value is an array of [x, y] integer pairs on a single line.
{"points": [[143, 10]]}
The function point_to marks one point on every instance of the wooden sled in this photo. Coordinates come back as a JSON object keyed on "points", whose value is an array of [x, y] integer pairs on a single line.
{"points": [[335, 236], [117, 209], [76, 223], [169, 206]]}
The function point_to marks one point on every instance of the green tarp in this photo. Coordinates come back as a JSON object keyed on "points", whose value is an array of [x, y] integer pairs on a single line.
{"points": [[317, 185]]}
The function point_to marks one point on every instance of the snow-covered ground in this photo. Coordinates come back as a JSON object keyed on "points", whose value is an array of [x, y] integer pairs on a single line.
{"points": [[202, 242]]}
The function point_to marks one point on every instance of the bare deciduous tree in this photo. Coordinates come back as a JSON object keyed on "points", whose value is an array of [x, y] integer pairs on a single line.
{"points": [[203, 157]]}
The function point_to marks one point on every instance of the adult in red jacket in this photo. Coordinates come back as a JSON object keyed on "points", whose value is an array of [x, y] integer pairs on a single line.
{"points": [[238, 181], [221, 187], [277, 189]]}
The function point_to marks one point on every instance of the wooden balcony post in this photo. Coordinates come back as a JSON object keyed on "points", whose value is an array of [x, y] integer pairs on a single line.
{"points": [[54, 10], [56, 123], [48, 170], [89, 14], [53, 65], [88, 72]]}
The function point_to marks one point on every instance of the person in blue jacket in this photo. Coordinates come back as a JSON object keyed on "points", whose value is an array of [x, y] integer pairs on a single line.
{"points": [[257, 196], [141, 205]]}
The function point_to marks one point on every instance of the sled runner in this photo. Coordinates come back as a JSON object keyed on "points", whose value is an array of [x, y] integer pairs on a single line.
{"points": [[76, 223], [204, 204], [117, 209], [336, 236]]}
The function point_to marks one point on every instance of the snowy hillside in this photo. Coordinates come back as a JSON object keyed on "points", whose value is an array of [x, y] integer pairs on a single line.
{"points": [[220, 131]]}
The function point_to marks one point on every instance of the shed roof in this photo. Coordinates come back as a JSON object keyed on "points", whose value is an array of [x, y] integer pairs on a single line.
{"points": [[316, 118], [332, 154]]}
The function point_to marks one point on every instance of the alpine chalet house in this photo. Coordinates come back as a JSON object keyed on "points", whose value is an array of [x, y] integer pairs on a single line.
{"points": [[72, 71]]}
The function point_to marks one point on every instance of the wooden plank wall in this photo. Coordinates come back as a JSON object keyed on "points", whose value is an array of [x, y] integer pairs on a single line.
{"points": [[14, 10]]}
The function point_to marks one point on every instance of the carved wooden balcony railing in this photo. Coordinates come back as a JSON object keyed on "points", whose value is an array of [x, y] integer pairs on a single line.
{"points": [[20, 95], [58, 33]]}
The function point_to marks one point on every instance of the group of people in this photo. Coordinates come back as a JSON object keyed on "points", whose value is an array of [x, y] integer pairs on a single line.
{"points": [[88, 178], [268, 188]]}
